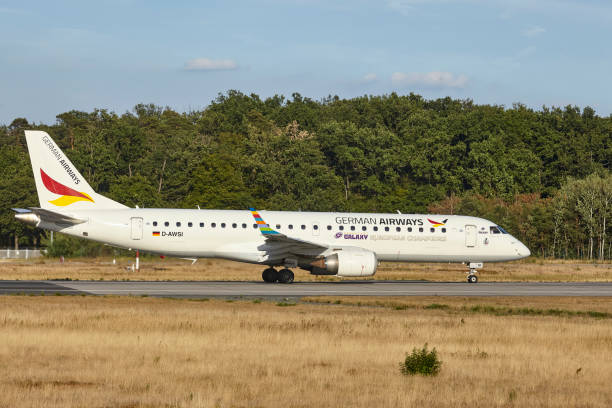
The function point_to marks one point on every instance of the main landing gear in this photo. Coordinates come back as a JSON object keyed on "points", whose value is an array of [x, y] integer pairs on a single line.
{"points": [[271, 275], [474, 266]]}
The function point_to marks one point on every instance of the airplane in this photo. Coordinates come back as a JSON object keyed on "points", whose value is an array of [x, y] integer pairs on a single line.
{"points": [[323, 243]]}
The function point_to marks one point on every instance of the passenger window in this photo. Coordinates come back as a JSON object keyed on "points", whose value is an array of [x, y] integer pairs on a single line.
{"points": [[166, 223], [364, 228], [303, 227], [315, 227], [398, 229], [243, 225], [155, 223], [494, 230], [178, 224], [290, 226], [409, 229], [222, 225], [421, 229], [352, 228], [234, 225], [329, 227], [432, 229], [201, 225], [386, 228], [213, 224], [255, 226], [375, 228], [190, 224], [341, 228], [443, 230], [278, 226]]}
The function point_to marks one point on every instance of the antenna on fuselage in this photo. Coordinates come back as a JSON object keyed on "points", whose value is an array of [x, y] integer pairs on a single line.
{"points": [[198, 207], [398, 211]]}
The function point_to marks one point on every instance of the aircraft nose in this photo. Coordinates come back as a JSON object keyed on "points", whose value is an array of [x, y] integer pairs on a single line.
{"points": [[522, 250]]}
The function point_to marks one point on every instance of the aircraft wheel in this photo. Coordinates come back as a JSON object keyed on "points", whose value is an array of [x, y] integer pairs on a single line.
{"points": [[472, 278], [286, 276], [270, 275]]}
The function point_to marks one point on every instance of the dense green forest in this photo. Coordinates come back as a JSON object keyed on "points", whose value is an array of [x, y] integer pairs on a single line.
{"points": [[542, 174]]}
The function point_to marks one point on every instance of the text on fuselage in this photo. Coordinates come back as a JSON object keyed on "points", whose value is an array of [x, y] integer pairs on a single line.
{"points": [[379, 221]]}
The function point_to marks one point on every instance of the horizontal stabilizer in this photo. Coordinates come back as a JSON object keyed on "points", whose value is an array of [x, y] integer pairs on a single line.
{"points": [[35, 215]]}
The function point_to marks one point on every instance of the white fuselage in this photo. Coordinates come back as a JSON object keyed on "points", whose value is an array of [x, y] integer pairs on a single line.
{"points": [[233, 234]]}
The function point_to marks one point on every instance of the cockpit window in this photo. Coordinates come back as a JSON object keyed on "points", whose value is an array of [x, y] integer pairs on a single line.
{"points": [[503, 231], [494, 230]]}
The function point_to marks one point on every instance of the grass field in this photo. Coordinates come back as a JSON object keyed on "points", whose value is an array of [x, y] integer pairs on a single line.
{"points": [[144, 352], [214, 269]]}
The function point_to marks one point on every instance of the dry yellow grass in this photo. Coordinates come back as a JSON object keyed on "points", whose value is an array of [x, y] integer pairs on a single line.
{"points": [[215, 269], [131, 352], [562, 305]]}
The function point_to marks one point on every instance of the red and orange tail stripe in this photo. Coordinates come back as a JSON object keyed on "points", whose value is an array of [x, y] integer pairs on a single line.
{"points": [[68, 195]]}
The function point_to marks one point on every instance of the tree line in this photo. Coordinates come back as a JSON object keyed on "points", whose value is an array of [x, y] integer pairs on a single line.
{"points": [[542, 174]]}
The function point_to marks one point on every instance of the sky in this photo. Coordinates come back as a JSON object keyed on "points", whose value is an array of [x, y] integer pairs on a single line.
{"points": [[57, 56]]}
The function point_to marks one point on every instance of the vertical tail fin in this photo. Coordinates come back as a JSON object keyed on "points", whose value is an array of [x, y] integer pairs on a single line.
{"points": [[58, 182]]}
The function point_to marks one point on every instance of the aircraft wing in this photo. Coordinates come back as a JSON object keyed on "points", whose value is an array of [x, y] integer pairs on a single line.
{"points": [[282, 243], [281, 238], [36, 215]]}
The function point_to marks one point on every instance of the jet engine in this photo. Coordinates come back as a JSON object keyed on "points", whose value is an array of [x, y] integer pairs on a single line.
{"points": [[347, 262]]}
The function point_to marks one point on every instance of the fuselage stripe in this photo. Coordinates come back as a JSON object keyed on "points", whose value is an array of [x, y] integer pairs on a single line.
{"points": [[264, 228]]}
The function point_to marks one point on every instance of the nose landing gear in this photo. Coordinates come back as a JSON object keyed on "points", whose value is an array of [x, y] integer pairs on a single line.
{"points": [[474, 266], [271, 275]]}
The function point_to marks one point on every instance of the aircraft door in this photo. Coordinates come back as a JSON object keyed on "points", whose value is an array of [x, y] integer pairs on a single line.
{"points": [[136, 228], [315, 229], [470, 236]]}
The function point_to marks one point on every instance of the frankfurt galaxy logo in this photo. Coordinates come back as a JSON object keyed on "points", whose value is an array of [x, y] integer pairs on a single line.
{"points": [[351, 236], [68, 195]]}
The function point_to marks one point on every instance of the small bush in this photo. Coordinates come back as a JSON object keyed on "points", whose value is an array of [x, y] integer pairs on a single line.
{"points": [[511, 395], [285, 304], [436, 306], [598, 314], [422, 362]]}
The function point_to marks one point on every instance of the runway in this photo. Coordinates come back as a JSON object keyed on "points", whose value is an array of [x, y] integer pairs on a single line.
{"points": [[300, 289]]}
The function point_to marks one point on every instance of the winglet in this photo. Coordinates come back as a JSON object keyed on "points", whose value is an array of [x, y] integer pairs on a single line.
{"points": [[263, 227]]}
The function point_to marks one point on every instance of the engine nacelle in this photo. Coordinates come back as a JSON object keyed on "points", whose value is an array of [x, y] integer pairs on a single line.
{"points": [[348, 262]]}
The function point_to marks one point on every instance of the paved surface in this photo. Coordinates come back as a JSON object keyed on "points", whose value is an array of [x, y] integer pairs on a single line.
{"points": [[35, 288], [296, 290]]}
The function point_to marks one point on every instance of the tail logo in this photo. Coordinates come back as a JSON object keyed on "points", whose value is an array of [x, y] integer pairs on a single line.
{"points": [[68, 195], [437, 223]]}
